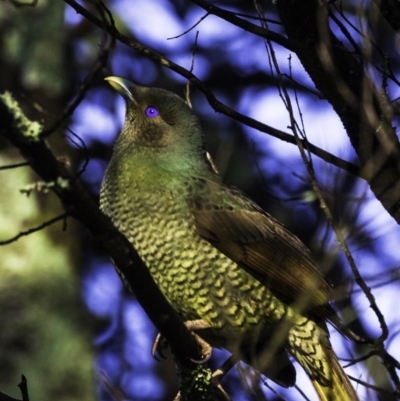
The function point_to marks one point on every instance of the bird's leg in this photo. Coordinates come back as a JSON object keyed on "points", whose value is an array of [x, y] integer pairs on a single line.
{"points": [[219, 374], [206, 350]]}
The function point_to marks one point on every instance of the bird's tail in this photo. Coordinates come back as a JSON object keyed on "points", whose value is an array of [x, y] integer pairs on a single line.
{"points": [[309, 343], [339, 388]]}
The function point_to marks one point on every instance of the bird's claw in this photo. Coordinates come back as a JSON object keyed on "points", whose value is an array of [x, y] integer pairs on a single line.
{"points": [[206, 350], [159, 345]]}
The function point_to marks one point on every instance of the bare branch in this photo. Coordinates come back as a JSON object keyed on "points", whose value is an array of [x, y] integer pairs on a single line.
{"points": [[213, 101], [15, 165], [245, 25], [191, 28], [24, 392], [187, 91], [35, 229], [371, 386]]}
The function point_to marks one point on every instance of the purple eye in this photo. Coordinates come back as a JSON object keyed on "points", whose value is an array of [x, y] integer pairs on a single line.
{"points": [[151, 112]]}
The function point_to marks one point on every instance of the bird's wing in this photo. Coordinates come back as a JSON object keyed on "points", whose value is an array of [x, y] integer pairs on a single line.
{"points": [[241, 230]]}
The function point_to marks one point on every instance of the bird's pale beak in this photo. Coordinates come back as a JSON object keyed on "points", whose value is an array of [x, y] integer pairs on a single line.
{"points": [[121, 85]]}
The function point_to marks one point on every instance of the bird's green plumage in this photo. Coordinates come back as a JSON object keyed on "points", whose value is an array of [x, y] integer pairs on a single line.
{"points": [[214, 254]]}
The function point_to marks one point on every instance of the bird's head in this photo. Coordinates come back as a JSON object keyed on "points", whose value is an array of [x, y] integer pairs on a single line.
{"points": [[158, 122]]}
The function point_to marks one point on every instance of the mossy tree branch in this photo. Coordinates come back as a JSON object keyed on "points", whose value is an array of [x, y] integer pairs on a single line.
{"points": [[25, 135]]}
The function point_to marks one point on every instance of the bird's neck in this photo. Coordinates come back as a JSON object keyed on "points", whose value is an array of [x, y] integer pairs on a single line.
{"points": [[151, 167]]}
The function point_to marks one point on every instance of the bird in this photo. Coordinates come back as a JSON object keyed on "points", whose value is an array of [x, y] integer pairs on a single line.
{"points": [[233, 273]]}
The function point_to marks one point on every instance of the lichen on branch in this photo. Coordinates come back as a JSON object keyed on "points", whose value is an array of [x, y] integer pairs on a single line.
{"points": [[20, 125]]}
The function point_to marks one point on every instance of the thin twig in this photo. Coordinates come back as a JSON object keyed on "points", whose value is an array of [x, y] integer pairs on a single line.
{"points": [[345, 31], [191, 28], [23, 386], [367, 39], [294, 83], [371, 386], [302, 393], [257, 18], [187, 91], [82, 147], [363, 358], [16, 165], [243, 24], [34, 229]]}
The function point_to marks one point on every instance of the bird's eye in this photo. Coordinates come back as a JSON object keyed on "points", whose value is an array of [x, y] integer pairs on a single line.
{"points": [[151, 112]]}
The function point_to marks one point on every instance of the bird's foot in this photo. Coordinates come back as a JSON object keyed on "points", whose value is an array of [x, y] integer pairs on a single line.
{"points": [[160, 344], [205, 347]]}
